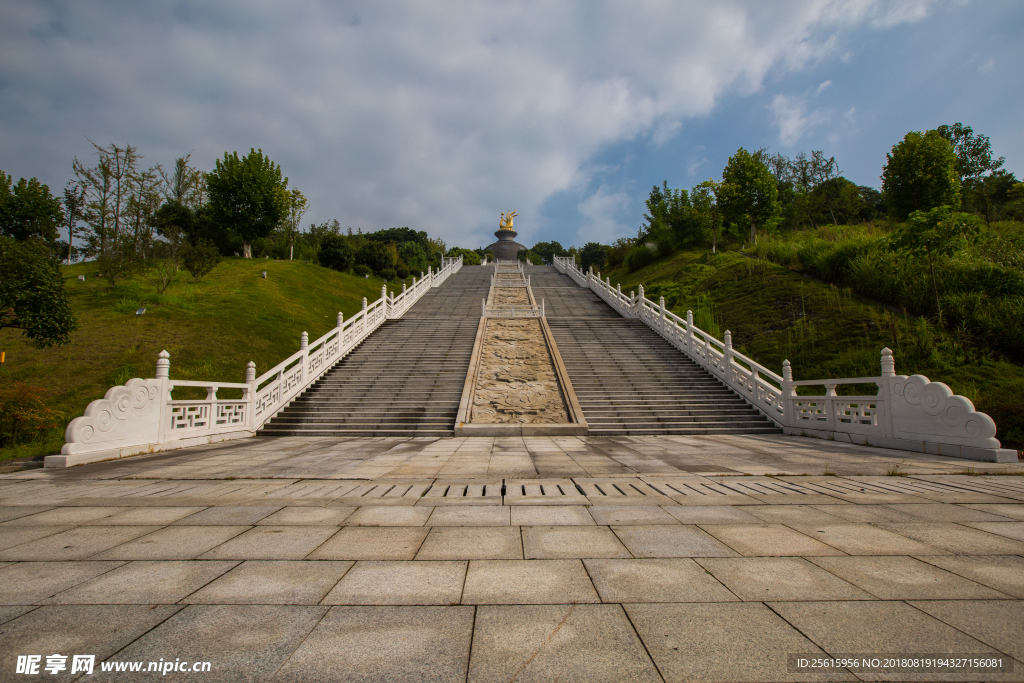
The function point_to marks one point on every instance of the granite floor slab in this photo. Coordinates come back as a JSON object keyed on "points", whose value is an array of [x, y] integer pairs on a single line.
{"points": [[400, 583], [527, 582], [263, 582]]}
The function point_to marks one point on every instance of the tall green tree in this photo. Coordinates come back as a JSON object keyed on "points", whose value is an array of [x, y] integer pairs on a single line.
{"points": [[592, 254], [704, 206], [297, 208], [27, 209], [32, 294], [920, 174], [74, 212], [973, 152], [247, 196], [749, 193], [933, 234]]}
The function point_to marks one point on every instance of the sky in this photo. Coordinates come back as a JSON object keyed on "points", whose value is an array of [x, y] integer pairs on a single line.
{"points": [[440, 116]]}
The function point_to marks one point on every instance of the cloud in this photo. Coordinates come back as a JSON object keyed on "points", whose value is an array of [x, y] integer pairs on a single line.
{"points": [[435, 116], [600, 211], [823, 86], [791, 116]]}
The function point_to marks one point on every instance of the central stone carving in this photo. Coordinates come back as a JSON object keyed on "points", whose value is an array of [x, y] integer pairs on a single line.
{"points": [[517, 381]]}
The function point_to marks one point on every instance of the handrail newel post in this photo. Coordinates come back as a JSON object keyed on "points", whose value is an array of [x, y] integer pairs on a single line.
{"points": [[163, 374], [788, 394], [249, 395], [885, 390], [661, 314], [689, 333], [727, 358]]}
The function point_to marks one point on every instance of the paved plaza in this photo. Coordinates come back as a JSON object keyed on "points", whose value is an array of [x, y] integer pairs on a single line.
{"points": [[671, 558]]}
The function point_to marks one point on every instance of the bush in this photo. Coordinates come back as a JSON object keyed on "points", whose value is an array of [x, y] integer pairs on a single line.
{"points": [[200, 259], [335, 253], [402, 272], [639, 257], [23, 414], [388, 274], [361, 270]]}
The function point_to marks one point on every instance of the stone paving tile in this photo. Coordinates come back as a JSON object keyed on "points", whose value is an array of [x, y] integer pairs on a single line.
{"points": [[65, 516], [75, 544], [272, 543], [571, 542], [712, 514], [527, 582], [172, 543], [878, 627], [272, 582], [870, 514], [1005, 573], [772, 540], [370, 543], [998, 623], [864, 539], [655, 580], [14, 536], [8, 513], [1010, 510], [230, 515], [307, 516], [394, 644], [9, 612], [472, 543], [938, 512], [956, 539], [557, 642], [1014, 530], [625, 514], [389, 515], [143, 583], [470, 515], [792, 514], [27, 584], [156, 516], [242, 642], [671, 541], [400, 583], [551, 515], [722, 642], [780, 578], [903, 578], [100, 630]]}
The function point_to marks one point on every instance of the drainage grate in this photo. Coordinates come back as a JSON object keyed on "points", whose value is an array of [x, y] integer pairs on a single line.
{"points": [[464, 493], [624, 491], [542, 492]]}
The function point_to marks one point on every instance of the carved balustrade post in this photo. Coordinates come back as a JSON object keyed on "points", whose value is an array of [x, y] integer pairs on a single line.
{"points": [[661, 315], [689, 332], [728, 357], [788, 394], [250, 394], [384, 297], [885, 389], [304, 341], [640, 302], [163, 373], [341, 319]]}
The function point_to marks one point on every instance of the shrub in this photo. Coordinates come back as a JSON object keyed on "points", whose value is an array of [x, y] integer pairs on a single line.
{"points": [[23, 414], [361, 270], [640, 257], [388, 274], [335, 253], [402, 272], [200, 259]]}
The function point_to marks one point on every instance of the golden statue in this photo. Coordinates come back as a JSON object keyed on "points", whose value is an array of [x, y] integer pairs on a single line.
{"points": [[506, 219]]}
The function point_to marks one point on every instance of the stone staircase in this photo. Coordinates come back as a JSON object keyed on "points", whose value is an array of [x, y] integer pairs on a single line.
{"points": [[631, 381], [405, 379]]}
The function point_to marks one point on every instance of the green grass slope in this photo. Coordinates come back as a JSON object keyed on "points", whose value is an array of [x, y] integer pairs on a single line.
{"points": [[212, 329], [776, 314]]}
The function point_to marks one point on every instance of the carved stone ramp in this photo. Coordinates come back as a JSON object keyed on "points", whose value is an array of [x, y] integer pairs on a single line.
{"points": [[631, 381], [405, 379]]}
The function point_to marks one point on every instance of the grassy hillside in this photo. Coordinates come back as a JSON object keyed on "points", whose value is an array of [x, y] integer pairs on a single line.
{"points": [[825, 331], [211, 329]]}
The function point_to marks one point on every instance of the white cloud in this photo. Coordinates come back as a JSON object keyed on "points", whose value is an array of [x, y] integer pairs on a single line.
{"points": [[823, 86], [435, 116], [601, 211], [792, 118]]}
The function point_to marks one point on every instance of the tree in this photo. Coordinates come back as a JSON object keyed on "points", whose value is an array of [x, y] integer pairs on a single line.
{"points": [[297, 208], [669, 222], [184, 185], [245, 195], [823, 172], [335, 252], [973, 153], [935, 233], [749, 193], [376, 256], [200, 258], [920, 174], [28, 210], [108, 188], [32, 294], [548, 250], [74, 208], [469, 257], [592, 254], [705, 210]]}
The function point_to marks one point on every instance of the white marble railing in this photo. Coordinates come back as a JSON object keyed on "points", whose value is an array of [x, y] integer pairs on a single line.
{"points": [[505, 280], [907, 413], [142, 416]]}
